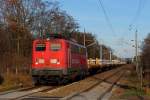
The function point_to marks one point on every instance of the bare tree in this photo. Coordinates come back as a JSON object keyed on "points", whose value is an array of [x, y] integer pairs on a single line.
{"points": [[145, 58], [21, 20]]}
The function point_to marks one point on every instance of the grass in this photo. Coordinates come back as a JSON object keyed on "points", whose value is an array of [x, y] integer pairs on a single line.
{"points": [[134, 81], [132, 89], [133, 92], [13, 81]]}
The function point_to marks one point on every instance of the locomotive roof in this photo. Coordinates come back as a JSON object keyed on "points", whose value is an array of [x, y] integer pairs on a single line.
{"points": [[70, 41]]}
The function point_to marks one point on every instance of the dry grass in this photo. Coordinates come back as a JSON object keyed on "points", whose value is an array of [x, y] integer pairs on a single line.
{"points": [[133, 91], [12, 81]]}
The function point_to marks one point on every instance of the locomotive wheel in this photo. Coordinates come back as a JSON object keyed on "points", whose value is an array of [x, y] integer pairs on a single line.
{"points": [[58, 81], [37, 84], [36, 81], [62, 81], [84, 75], [81, 76]]}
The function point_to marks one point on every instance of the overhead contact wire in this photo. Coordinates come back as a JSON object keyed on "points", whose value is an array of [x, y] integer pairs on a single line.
{"points": [[106, 17]]}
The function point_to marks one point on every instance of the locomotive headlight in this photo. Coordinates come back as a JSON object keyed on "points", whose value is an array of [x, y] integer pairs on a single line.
{"points": [[39, 61], [54, 61], [58, 63], [36, 63]]}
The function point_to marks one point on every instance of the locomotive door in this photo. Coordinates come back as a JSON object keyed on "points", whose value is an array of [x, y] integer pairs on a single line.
{"points": [[69, 57]]}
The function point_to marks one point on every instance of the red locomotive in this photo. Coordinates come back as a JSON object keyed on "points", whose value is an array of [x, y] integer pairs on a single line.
{"points": [[58, 60]]}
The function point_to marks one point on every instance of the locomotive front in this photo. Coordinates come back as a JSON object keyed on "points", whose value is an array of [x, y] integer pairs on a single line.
{"points": [[49, 60]]}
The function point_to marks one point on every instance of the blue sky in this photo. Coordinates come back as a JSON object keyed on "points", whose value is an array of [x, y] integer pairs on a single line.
{"points": [[89, 15]]}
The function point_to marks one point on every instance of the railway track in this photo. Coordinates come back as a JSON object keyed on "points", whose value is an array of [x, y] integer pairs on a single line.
{"points": [[23, 93], [106, 81], [14, 90], [98, 90], [108, 90]]}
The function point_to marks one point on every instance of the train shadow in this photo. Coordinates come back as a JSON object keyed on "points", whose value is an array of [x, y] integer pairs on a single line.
{"points": [[101, 70]]}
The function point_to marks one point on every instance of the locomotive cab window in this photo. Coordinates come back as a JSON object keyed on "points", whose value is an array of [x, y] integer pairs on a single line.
{"points": [[55, 46], [40, 47]]}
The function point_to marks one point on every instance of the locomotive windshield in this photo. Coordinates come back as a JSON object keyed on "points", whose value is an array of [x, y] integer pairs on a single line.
{"points": [[55, 46], [40, 47]]}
